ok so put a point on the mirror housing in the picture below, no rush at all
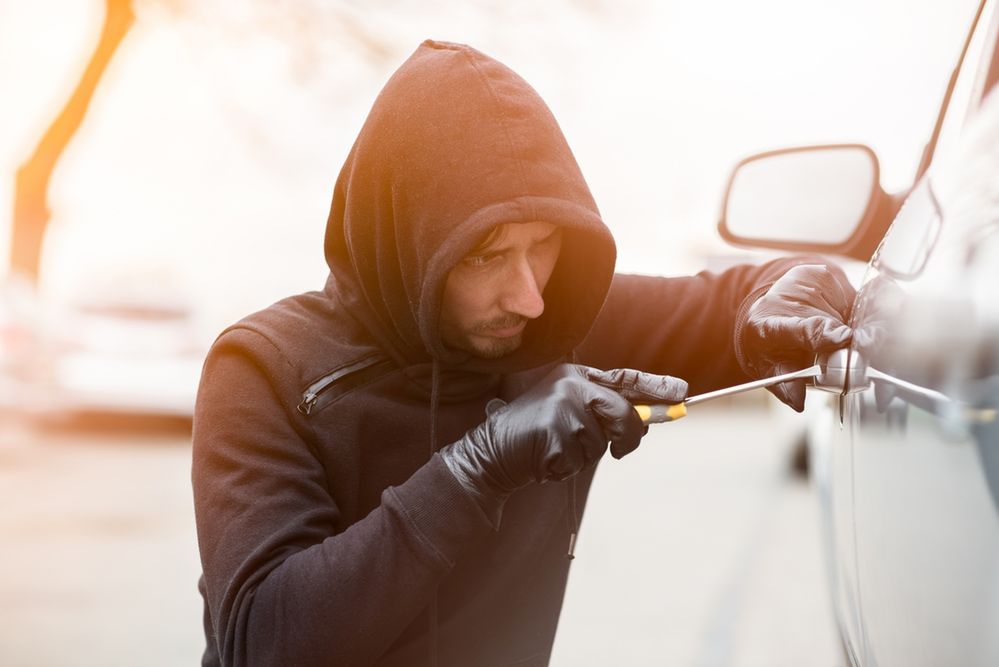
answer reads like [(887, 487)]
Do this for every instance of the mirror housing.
[(825, 199)]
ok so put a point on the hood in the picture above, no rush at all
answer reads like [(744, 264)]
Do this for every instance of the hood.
[(455, 144)]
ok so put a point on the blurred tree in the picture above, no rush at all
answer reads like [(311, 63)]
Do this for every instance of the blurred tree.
[(317, 36), (31, 211)]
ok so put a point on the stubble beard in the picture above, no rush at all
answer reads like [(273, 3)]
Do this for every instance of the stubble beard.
[(495, 348), (483, 346)]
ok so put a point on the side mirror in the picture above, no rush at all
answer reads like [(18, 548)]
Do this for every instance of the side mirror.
[(825, 199)]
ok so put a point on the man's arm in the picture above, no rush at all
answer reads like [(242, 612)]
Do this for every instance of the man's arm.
[(283, 587), (697, 327)]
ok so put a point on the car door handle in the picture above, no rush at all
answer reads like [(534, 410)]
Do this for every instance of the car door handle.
[(845, 372)]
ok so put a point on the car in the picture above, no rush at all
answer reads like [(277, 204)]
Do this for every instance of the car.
[(122, 345), (904, 437), (18, 340)]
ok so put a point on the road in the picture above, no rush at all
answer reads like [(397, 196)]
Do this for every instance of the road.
[(99, 562), (699, 549), (702, 549)]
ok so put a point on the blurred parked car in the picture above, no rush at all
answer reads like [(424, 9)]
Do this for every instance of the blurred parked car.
[(123, 346), (905, 453), (18, 340)]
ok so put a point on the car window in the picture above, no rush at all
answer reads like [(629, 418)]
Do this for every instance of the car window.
[(993, 75), (912, 235), (910, 239), (973, 81)]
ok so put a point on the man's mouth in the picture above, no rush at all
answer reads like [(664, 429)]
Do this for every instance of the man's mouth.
[(506, 332), (503, 329)]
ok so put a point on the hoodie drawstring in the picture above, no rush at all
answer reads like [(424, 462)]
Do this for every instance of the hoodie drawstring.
[(570, 495), (570, 499), (435, 381), (570, 492)]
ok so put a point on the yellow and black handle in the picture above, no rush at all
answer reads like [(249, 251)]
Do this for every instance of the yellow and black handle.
[(661, 413)]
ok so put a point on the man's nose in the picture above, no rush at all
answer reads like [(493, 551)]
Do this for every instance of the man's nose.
[(522, 295)]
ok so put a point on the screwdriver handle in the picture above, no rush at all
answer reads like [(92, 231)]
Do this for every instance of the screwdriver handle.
[(658, 414), (661, 413)]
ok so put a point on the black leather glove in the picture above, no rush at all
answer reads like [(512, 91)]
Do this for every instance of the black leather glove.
[(556, 429), (803, 314)]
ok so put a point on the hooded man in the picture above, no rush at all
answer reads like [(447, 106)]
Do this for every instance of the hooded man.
[(390, 470)]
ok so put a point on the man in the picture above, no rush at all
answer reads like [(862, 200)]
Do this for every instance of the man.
[(391, 470)]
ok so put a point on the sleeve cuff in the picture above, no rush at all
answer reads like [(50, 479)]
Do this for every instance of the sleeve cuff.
[(440, 510)]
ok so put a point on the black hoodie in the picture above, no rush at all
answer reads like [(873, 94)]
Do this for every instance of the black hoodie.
[(329, 531)]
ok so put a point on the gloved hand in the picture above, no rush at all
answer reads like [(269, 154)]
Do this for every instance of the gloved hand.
[(803, 314), (554, 430)]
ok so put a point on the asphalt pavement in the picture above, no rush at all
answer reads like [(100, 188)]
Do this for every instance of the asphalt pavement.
[(700, 549)]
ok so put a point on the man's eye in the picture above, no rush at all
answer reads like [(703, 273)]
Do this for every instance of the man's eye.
[(480, 260)]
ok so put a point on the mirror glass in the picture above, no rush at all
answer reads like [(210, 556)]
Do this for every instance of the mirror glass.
[(813, 195)]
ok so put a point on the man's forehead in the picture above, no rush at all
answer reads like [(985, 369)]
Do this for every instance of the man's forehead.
[(512, 233)]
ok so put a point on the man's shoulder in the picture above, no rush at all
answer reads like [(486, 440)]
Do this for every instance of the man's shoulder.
[(310, 332), (299, 316)]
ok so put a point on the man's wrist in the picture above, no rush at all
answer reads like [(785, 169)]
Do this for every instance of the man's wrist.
[(458, 463), (741, 321)]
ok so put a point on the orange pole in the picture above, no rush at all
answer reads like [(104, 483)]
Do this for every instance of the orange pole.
[(31, 211)]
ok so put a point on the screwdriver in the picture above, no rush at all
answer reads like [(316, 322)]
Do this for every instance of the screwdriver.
[(661, 413)]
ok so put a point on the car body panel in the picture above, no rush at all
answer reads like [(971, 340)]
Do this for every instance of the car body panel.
[(905, 454), (914, 447)]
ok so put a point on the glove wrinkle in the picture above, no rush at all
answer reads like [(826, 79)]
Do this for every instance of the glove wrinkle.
[(639, 386), (561, 426), (802, 314)]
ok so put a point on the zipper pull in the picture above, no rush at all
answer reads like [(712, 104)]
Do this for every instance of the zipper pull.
[(308, 402)]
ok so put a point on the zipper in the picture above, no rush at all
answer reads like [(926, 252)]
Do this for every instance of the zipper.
[(315, 394)]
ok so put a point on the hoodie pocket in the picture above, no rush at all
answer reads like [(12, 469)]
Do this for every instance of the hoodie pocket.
[(341, 380)]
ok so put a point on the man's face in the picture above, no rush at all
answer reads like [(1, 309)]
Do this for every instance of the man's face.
[(495, 289)]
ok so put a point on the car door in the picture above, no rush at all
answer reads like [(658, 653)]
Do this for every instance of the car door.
[(904, 448), (918, 439)]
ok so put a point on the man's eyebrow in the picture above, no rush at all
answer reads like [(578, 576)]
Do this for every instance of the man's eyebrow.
[(556, 230), (494, 236)]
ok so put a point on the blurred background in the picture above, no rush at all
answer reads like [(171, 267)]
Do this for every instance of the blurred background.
[(166, 168)]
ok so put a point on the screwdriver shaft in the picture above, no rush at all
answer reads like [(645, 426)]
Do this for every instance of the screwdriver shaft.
[(809, 372)]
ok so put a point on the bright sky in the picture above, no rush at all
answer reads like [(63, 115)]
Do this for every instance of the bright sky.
[(212, 145)]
